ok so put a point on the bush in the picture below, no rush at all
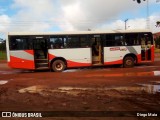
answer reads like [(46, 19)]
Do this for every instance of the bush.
[(3, 46), (3, 55)]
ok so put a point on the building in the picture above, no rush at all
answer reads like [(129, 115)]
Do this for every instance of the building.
[(156, 35)]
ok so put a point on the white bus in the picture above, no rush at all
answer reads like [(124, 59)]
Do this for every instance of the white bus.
[(62, 50)]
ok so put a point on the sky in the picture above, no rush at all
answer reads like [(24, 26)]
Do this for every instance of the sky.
[(77, 15)]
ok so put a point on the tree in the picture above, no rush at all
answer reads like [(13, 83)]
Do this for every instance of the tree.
[(3, 45), (158, 24), (139, 1)]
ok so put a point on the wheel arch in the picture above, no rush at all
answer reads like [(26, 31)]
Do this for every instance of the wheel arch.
[(131, 55), (58, 58)]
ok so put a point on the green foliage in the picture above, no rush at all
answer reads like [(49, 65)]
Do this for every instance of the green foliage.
[(139, 1), (2, 50), (3, 46), (158, 24), (3, 55)]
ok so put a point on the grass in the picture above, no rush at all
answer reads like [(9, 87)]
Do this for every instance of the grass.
[(3, 55)]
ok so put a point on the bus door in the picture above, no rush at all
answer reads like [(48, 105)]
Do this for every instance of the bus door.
[(40, 46), (146, 44), (97, 50)]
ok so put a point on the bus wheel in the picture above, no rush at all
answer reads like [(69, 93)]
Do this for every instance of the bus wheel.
[(128, 62), (58, 66)]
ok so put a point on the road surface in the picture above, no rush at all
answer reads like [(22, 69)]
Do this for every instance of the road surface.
[(108, 88)]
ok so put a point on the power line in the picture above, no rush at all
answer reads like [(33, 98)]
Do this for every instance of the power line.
[(54, 22)]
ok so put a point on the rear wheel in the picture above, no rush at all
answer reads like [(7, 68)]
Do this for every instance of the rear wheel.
[(128, 62), (58, 66)]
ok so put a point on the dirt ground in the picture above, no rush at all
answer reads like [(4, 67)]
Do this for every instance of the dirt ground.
[(119, 91)]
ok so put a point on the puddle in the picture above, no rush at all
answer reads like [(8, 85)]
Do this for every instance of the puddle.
[(149, 88), (157, 82), (32, 89), (2, 82), (71, 70), (82, 88), (83, 69), (74, 88), (44, 91), (75, 91), (152, 73), (145, 66), (156, 73), (15, 72)]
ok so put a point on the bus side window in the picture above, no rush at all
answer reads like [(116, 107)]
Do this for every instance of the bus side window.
[(109, 40), (132, 39), (72, 42), (146, 40), (84, 42), (19, 43), (56, 42), (119, 40)]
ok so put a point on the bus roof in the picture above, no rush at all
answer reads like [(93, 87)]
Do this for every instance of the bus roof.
[(77, 32)]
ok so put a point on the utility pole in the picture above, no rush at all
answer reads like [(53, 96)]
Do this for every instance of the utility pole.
[(126, 24), (148, 20)]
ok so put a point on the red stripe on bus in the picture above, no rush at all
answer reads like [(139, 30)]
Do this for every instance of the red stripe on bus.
[(30, 52), (71, 63), (21, 63), (152, 53), (77, 64), (114, 62), (139, 58), (51, 57)]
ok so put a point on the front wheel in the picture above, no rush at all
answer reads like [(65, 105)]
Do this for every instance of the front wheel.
[(128, 62), (58, 66)]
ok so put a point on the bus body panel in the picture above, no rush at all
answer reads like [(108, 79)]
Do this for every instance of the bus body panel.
[(152, 53), (115, 55), (22, 59), (76, 57)]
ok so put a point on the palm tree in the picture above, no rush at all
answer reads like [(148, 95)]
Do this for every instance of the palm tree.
[(139, 1), (158, 24)]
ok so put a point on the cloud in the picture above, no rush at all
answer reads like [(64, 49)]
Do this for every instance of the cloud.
[(153, 20), (43, 15), (33, 15), (66, 15), (4, 22), (84, 14), (137, 23)]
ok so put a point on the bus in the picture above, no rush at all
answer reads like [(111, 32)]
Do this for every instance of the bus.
[(58, 51)]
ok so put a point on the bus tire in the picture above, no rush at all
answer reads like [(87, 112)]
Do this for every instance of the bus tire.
[(58, 66), (128, 62)]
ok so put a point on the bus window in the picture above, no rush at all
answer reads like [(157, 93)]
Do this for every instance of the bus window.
[(72, 42), (109, 40), (132, 39), (115, 40), (20, 43), (84, 42), (146, 39), (119, 40), (56, 42)]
